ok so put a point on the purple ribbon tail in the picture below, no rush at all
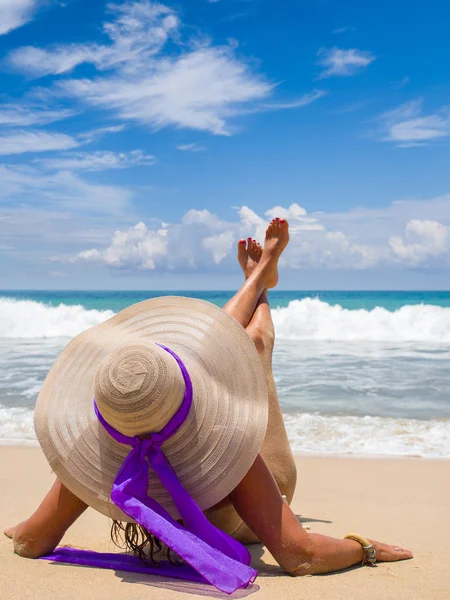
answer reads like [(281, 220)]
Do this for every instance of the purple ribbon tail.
[(122, 562), (217, 557)]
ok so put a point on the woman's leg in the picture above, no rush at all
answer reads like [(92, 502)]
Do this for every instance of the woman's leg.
[(276, 450)]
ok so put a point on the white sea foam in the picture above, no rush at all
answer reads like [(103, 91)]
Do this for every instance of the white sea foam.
[(379, 436), (16, 426), (29, 319), (310, 434), (307, 319), (312, 319)]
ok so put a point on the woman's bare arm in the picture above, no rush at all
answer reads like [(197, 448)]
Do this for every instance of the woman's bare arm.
[(41, 533), (259, 503)]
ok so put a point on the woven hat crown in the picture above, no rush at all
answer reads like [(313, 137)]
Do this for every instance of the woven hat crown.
[(138, 388)]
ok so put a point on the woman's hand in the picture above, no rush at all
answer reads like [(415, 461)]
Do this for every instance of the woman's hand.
[(42, 532), (388, 553)]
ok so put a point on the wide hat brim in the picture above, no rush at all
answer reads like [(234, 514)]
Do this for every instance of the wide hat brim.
[(219, 441)]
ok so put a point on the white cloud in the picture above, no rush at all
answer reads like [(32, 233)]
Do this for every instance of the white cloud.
[(19, 142), (196, 85), (407, 126), (15, 141), (340, 62), (38, 62), (202, 241), (77, 223), (297, 216), (423, 241), (219, 245), (135, 248), (17, 115), (98, 161), (191, 147), (361, 239), (15, 13)]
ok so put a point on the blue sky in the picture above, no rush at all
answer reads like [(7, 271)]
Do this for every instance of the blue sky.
[(139, 141)]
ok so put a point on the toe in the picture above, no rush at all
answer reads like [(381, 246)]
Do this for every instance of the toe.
[(242, 250)]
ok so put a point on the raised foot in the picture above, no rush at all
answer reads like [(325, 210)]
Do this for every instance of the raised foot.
[(249, 254), (277, 238)]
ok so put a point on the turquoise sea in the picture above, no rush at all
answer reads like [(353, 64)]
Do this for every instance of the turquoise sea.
[(363, 373), (116, 300)]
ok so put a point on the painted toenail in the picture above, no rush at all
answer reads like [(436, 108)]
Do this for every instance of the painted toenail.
[(242, 241), (283, 221)]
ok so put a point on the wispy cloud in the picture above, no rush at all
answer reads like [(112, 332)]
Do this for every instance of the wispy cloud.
[(94, 134), (197, 90), (98, 161), (197, 85), (233, 17), (338, 62), (234, 43), (343, 29), (20, 115), (61, 190), (23, 141), (298, 103), (407, 126), (15, 13), (401, 83), (191, 147), (138, 31)]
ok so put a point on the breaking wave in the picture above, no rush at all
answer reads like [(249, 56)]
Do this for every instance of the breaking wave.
[(308, 319), (312, 319), (29, 319)]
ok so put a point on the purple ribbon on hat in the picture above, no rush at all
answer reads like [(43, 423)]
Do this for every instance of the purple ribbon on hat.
[(211, 555)]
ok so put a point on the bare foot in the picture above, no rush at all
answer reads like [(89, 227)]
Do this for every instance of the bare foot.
[(277, 238), (249, 253)]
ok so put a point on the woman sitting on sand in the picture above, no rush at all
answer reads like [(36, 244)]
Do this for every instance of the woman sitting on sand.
[(202, 378)]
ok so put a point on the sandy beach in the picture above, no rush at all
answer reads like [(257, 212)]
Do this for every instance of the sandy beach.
[(398, 501)]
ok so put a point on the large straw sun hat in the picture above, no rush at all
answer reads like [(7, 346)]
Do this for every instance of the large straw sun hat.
[(138, 387)]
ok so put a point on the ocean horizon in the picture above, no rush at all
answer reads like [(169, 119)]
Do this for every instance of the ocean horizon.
[(357, 373)]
